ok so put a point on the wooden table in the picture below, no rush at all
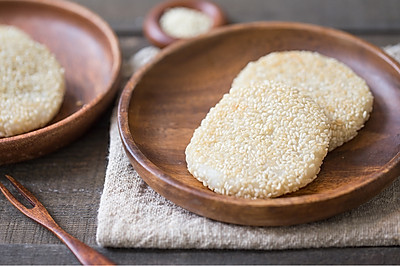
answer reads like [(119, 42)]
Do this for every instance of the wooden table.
[(70, 181)]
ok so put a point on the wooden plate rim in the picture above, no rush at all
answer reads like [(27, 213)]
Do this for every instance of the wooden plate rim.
[(133, 150), (116, 68)]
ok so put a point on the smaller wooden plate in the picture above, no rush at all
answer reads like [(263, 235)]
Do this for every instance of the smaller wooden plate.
[(87, 49), (165, 102), (152, 28)]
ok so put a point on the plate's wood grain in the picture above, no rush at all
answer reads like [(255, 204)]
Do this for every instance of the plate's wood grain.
[(87, 49), (163, 103)]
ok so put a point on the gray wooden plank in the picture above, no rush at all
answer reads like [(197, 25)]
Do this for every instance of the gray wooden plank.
[(69, 183), (379, 40), (59, 254), (351, 15)]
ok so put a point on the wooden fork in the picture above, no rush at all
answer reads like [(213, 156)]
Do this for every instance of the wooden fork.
[(85, 254)]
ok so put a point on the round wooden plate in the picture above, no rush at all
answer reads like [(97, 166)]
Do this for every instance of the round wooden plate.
[(87, 49), (163, 103)]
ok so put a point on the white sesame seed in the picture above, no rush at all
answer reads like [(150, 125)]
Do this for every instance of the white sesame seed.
[(341, 93), (31, 83), (182, 22), (250, 163)]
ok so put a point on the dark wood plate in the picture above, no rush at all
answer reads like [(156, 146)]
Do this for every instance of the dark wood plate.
[(163, 103), (87, 49)]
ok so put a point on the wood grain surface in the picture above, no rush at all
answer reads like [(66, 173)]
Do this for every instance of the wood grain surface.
[(37, 212), (69, 182), (126, 16), (161, 107), (87, 49)]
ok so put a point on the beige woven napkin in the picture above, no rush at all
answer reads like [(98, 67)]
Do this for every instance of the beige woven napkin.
[(131, 214)]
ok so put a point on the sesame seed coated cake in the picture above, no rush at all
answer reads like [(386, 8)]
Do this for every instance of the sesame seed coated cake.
[(341, 93), (32, 83), (259, 141)]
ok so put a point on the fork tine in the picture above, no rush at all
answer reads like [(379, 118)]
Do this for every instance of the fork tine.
[(37, 213), (12, 199), (24, 192), (85, 254)]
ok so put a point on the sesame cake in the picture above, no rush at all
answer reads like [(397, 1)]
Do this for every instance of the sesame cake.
[(338, 90), (259, 141), (32, 83)]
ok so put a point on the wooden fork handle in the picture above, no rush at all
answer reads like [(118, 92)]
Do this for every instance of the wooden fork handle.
[(85, 254)]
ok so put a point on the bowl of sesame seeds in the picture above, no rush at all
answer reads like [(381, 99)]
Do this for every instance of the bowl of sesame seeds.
[(175, 20)]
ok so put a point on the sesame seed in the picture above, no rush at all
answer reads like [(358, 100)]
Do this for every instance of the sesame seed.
[(182, 22), (249, 163), (31, 83), (341, 93)]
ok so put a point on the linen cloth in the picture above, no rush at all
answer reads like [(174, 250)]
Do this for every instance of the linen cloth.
[(131, 214)]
